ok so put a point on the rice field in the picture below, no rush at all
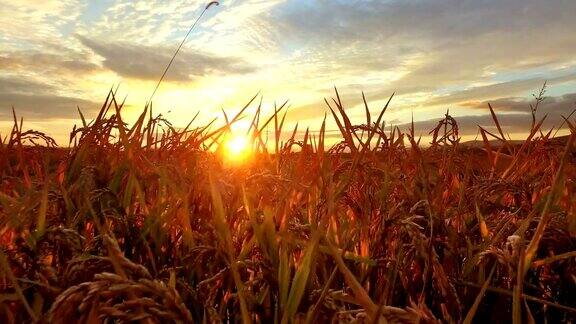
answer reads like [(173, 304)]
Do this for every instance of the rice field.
[(155, 224)]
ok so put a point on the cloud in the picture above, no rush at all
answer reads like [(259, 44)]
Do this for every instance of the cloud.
[(36, 100), (46, 62), (468, 125), (39, 106), (431, 44), (21, 85), (148, 62), (513, 114), (432, 23), (37, 22), (309, 111), (554, 106), (498, 90)]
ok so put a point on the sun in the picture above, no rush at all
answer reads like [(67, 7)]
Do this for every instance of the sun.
[(237, 148)]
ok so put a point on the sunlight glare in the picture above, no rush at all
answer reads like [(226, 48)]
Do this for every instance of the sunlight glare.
[(237, 148)]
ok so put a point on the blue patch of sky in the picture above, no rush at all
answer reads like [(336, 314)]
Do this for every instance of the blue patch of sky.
[(94, 10), (180, 28), (67, 28)]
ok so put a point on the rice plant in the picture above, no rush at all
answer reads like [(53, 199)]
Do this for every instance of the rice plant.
[(151, 223)]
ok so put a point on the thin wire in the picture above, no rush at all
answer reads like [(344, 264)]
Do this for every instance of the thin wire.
[(178, 50)]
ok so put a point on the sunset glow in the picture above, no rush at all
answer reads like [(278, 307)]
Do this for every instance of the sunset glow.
[(242, 47)]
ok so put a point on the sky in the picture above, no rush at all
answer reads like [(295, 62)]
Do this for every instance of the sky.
[(436, 55)]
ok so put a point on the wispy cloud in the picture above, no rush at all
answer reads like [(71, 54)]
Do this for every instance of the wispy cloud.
[(499, 90), (553, 106), (148, 62)]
